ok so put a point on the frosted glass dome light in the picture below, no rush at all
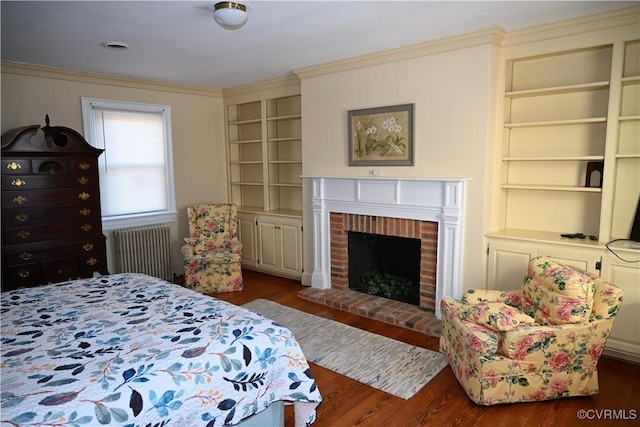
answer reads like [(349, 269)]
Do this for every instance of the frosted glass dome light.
[(230, 15)]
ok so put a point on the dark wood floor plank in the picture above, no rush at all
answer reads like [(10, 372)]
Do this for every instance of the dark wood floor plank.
[(442, 402)]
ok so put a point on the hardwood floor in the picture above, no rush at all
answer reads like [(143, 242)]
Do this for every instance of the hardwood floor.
[(442, 402)]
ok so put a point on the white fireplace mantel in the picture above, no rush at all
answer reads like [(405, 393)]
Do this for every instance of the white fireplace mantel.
[(427, 199)]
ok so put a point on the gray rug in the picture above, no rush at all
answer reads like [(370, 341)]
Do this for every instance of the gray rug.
[(380, 362)]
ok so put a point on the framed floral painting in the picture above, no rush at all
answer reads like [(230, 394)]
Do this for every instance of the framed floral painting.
[(381, 136)]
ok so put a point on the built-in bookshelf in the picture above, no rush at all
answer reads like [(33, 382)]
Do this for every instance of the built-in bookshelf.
[(571, 142), (265, 154)]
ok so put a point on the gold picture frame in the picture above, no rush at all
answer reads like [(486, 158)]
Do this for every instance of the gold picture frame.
[(381, 136)]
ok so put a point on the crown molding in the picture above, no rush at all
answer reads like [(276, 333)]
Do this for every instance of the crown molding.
[(492, 36), (570, 27), (9, 67), (287, 84)]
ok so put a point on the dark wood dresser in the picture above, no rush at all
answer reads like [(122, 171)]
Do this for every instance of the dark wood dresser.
[(51, 219)]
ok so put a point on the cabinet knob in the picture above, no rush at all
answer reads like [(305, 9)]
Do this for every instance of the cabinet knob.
[(14, 166), (88, 247), (92, 261), (83, 180), (86, 227), (23, 234), (20, 200), (22, 217), (84, 196), (24, 273), (25, 256), (18, 182), (84, 166), (85, 212)]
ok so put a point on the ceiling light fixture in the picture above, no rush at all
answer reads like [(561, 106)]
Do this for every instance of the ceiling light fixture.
[(230, 15)]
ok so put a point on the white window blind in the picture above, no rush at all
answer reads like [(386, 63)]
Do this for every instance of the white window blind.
[(136, 173)]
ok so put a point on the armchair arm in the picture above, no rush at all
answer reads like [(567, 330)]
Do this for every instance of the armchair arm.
[(558, 346), (475, 296), (464, 337)]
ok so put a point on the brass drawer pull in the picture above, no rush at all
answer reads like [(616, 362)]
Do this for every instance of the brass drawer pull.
[(88, 247), (86, 227), (85, 212), (84, 166), (23, 234), (22, 217), (19, 200), (14, 166), (24, 273), (84, 196), (83, 180), (92, 261), (25, 256), (18, 182)]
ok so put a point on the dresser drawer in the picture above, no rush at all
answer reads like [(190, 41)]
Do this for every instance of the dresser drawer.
[(15, 166), (38, 182), (49, 214), (51, 166), (45, 232), (15, 199), (85, 165), (59, 269), (91, 247), (24, 275)]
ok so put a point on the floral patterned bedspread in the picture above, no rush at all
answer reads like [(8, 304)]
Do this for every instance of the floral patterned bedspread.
[(134, 350)]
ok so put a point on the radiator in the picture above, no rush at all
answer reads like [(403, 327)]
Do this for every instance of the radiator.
[(144, 250)]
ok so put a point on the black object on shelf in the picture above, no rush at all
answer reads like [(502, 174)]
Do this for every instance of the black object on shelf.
[(594, 170)]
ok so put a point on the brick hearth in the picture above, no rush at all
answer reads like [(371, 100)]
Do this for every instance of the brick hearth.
[(385, 310)]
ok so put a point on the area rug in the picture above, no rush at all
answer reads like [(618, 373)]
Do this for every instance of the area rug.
[(386, 364)]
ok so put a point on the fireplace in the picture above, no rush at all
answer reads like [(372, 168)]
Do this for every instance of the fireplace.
[(390, 204), (384, 266), (424, 232)]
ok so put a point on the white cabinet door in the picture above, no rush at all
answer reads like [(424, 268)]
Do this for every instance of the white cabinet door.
[(508, 262), (247, 235), (269, 246), (280, 245), (625, 335), (291, 248)]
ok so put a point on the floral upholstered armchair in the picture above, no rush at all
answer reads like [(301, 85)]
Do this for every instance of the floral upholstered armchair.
[(212, 252), (541, 342)]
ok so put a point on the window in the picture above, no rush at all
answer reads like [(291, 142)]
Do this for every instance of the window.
[(136, 168)]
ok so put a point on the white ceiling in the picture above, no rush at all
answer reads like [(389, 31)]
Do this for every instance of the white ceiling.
[(179, 42)]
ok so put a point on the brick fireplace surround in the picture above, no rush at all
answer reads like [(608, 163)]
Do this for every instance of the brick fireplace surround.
[(422, 318), (429, 209), (426, 231)]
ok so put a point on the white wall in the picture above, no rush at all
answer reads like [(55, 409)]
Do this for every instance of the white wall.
[(198, 130), (454, 116)]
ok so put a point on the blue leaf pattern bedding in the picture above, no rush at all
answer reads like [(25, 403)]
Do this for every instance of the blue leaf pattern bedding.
[(134, 350)]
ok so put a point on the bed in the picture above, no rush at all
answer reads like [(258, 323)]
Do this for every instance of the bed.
[(134, 350)]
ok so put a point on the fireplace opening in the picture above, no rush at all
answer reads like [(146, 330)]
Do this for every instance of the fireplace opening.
[(385, 266)]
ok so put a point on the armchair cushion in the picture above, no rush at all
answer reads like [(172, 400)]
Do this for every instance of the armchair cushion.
[(497, 316), (554, 293)]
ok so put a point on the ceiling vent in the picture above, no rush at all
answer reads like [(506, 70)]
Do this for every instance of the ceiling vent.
[(115, 45)]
